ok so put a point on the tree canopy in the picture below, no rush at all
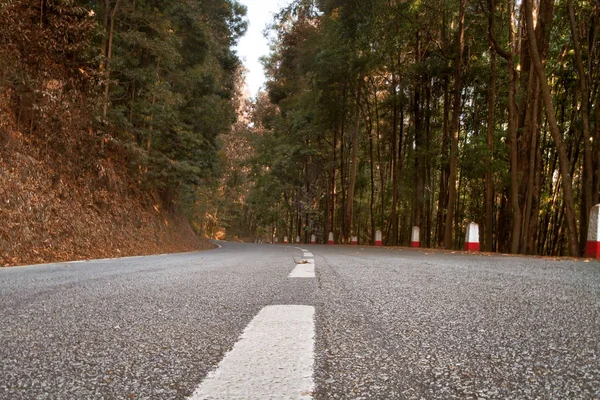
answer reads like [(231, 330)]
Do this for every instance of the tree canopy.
[(157, 81), (384, 115)]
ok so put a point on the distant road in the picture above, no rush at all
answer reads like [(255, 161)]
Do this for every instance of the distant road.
[(250, 321)]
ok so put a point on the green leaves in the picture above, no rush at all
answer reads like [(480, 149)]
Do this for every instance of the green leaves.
[(173, 82)]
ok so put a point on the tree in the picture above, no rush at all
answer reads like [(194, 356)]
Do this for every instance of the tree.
[(377, 111), (563, 161), (454, 129)]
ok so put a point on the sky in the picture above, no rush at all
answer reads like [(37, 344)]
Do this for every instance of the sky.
[(254, 45)]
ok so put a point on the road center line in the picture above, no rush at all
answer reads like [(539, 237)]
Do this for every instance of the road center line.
[(307, 254), (273, 359), (303, 271)]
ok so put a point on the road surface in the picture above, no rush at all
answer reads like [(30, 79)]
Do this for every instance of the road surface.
[(250, 321)]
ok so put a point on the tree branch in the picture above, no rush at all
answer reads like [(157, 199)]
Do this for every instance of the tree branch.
[(503, 53)]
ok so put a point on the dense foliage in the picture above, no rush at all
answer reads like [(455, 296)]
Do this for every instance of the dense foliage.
[(156, 81), (389, 114)]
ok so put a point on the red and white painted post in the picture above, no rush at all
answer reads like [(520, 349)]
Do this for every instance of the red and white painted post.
[(285, 241), (415, 240), (297, 239), (313, 239), (330, 241), (472, 237), (378, 241), (592, 249), (276, 240), (354, 240)]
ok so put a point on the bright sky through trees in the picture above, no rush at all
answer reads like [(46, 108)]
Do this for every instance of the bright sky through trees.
[(254, 45)]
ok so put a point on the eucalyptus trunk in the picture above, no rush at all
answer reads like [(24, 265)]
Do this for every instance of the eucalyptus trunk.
[(563, 158), (455, 128), (586, 200)]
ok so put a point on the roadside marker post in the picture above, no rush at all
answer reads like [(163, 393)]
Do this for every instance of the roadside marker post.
[(330, 241), (472, 237), (313, 239), (378, 241), (592, 249), (415, 237), (297, 239), (276, 240), (354, 240), (285, 240)]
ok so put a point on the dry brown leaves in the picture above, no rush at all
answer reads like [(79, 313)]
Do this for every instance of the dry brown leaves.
[(52, 211)]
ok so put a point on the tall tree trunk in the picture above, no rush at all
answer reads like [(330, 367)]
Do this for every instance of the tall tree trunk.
[(531, 161), (418, 142), (333, 184), (532, 232), (512, 128), (108, 57), (427, 167), (398, 150), (489, 184), (445, 165), (596, 185), (343, 165), (153, 103), (372, 199), (556, 135), (394, 166), (353, 167), (587, 183), (380, 165), (528, 127), (105, 29), (455, 128), (445, 169)]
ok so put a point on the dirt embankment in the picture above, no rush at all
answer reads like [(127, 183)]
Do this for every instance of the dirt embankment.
[(45, 217), (58, 206)]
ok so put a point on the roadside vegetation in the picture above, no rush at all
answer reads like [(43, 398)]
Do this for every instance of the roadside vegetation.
[(384, 115), (110, 116)]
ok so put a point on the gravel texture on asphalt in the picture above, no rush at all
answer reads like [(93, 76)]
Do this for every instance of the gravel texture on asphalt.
[(390, 324), (137, 328), (404, 324)]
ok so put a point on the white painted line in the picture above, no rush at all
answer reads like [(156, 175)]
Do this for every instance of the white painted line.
[(307, 254), (303, 271), (272, 360)]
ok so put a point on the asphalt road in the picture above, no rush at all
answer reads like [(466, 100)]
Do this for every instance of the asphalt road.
[(388, 324)]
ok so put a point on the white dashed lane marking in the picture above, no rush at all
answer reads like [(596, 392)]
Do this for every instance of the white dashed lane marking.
[(306, 270), (307, 254), (273, 359)]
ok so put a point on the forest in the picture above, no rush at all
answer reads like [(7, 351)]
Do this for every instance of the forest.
[(111, 113), (376, 115), (389, 114)]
